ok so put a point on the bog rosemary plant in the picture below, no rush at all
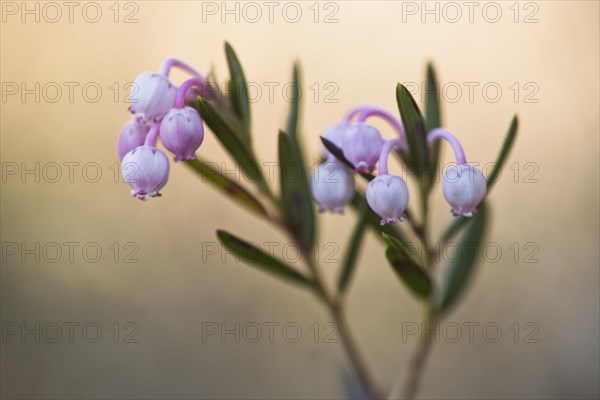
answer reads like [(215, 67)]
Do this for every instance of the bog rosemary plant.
[(353, 149)]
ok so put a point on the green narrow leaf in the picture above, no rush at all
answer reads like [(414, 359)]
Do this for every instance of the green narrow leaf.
[(339, 154), (506, 146), (433, 117), (414, 124), (256, 257), (231, 188), (460, 271), (413, 275), (460, 222), (433, 113), (295, 192), (238, 88), (336, 151), (230, 141), (454, 228), (294, 115), (353, 249)]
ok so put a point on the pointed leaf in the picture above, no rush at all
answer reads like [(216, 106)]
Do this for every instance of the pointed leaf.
[(336, 151), (238, 88), (294, 115), (339, 154), (230, 141), (460, 271), (506, 146), (231, 188), (433, 113), (414, 124), (256, 257), (353, 249), (295, 192), (433, 117), (414, 276)]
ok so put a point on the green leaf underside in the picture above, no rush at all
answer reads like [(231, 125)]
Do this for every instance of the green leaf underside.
[(458, 223), (295, 192), (259, 259), (460, 271), (238, 88), (413, 275), (231, 188), (353, 249), (414, 125), (226, 134)]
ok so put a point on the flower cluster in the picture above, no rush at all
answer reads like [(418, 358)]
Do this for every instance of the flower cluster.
[(362, 145), (159, 110)]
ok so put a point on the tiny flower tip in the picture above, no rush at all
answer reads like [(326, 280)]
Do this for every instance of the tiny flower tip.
[(184, 158), (363, 167)]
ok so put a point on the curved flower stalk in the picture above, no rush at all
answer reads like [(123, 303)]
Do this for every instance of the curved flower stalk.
[(353, 147), (387, 194), (464, 186)]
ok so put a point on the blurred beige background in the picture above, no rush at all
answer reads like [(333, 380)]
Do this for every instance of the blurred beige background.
[(172, 294)]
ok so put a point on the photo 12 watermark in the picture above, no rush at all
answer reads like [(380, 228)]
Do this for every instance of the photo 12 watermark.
[(69, 332), (69, 252), (268, 332), (253, 12), (453, 12), (56, 12)]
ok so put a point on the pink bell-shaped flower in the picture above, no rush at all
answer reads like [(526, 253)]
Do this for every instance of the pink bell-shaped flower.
[(132, 136), (335, 134), (332, 186), (362, 145), (387, 195), (464, 187), (146, 170), (152, 96), (182, 132)]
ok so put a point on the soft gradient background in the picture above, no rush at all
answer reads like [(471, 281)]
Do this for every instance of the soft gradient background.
[(171, 292)]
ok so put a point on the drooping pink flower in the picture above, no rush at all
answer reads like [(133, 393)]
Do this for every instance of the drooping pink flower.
[(152, 96), (464, 186), (362, 145), (132, 136), (182, 132), (387, 195), (332, 186), (146, 170)]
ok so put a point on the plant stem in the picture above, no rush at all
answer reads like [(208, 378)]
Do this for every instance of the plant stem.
[(419, 357), (417, 362), (335, 306)]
